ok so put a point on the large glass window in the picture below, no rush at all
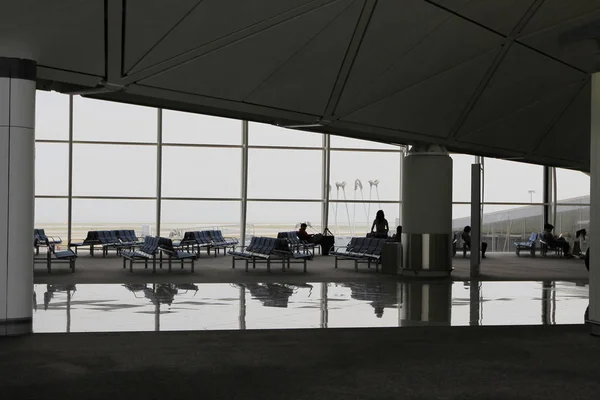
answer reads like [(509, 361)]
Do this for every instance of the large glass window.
[(502, 227), (270, 135), (201, 172), (350, 143), (284, 174), (461, 177), (269, 217), (510, 181), (51, 169), (52, 215), (114, 170), (51, 116), (182, 127), (109, 214), (106, 121), (572, 185), (179, 216), (369, 176), (356, 219)]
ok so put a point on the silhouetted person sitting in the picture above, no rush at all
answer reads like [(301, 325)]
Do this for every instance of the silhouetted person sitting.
[(380, 227), (466, 237), (398, 235), (556, 242), (303, 235)]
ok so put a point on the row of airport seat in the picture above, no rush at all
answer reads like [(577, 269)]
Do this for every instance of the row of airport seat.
[(265, 250)]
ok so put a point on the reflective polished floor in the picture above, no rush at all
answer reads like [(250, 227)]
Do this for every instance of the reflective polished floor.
[(174, 307)]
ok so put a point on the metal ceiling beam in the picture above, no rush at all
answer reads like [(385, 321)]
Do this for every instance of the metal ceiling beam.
[(114, 21), (348, 62), (224, 41), (505, 47)]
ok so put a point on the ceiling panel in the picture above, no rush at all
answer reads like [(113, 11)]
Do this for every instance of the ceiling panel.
[(64, 34), (555, 12), (233, 71), (304, 83), (213, 19), (574, 42), (147, 22), (522, 130), (569, 138), (523, 77), (500, 15), (431, 107), (380, 70)]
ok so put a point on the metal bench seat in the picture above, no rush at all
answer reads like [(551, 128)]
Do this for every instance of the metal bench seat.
[(166, 248), (57, 257), (527, 245)]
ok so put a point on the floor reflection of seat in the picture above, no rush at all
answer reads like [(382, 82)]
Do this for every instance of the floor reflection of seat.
[(380, 295), (274, 294), (57, 288)]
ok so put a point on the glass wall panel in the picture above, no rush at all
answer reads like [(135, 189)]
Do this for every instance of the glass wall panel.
[(503, 226), (51, 115), (51, 168), (461, 176), (358, 168), (179, 216), (351, 143), (285, 174), (569, 220), (114, 170), (201, 172), (461, 216), (268, 218), (572, 184), (355, 219), (510, 181), (108, 121), (271, 135), (52, 215), (109, 214), (182, 127)]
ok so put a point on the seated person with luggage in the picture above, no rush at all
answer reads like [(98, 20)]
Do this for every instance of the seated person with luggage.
[(380, 227), (302, 234), (466, 237), (556, 242)]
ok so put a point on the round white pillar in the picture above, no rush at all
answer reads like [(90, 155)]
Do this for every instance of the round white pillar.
[(427, 211), (17, 149)]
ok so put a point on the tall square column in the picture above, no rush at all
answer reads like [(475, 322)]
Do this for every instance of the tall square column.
[(17, 149)]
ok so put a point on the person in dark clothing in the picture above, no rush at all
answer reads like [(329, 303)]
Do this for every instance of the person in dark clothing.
[(466, 237), (302, 234), (554, 241), (398, 235)]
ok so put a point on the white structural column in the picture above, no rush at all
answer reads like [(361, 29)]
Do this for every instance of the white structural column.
[(594, 315), (427, 211), (17, 149)]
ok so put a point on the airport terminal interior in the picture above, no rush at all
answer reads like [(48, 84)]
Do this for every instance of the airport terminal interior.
[(203, 182)]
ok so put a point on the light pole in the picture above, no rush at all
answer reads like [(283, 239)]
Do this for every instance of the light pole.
[(531, 192)]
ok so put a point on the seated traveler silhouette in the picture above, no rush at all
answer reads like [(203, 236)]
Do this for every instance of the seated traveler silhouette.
[(303, 235), (466, 237), (380, 227), (554, 241), (398, 235)]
